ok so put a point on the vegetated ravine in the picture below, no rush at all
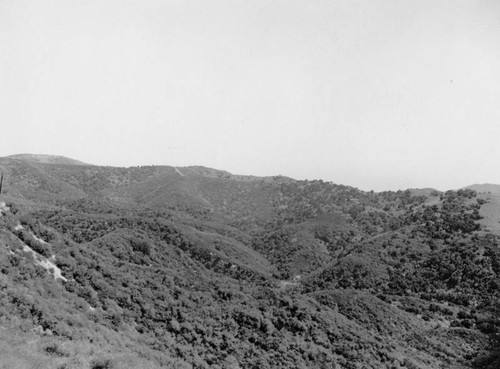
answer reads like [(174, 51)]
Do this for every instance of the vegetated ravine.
[(149, 267)]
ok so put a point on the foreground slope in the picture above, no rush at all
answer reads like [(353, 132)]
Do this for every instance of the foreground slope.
[(194, 267)]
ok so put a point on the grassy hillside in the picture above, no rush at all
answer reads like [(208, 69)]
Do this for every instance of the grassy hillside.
[(46, 159), (198, 268), (490, 211)]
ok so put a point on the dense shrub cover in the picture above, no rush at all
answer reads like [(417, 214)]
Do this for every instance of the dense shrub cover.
[(211, 270)]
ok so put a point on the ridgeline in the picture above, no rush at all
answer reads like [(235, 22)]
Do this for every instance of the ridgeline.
[(157, 266)]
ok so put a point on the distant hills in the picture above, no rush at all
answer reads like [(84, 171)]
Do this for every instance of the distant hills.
[(485, 188), (46, 159), (195, 267)]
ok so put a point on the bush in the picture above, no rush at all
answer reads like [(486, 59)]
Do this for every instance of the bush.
[(141, 246), (55, 349), (101, 363)]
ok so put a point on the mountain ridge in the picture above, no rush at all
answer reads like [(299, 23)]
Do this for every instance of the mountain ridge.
[(198, 268), (46, 159), (212, 172)]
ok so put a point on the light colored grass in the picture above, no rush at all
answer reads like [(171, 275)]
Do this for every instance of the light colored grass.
[(28, 350), (491, 212)]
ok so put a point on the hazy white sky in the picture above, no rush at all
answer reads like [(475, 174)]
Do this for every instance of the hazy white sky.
[(383, 94)]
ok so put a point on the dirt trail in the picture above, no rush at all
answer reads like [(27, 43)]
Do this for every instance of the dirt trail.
[(42, 260)]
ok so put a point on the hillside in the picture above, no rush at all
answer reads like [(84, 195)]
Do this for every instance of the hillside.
[(46, 159), (158, 266), (490, 211)]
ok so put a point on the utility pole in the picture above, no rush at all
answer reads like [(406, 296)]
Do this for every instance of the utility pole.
[(1, 183)]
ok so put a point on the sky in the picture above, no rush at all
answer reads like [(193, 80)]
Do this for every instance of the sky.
[(380, 95)]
